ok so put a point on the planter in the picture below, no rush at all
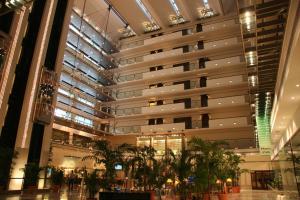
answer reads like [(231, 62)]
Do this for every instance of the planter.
[(152, 194), (236, 189), (222, 196)]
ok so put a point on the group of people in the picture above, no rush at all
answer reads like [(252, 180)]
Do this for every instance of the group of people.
[(73, 180)]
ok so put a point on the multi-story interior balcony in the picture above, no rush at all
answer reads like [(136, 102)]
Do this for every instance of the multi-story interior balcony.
[(182, 106), (186, 124), (199, 66), (188, 32), (60, 137), (163, 72), (84, 122), (170, 87), (229, 122), (160, 89), (163, 38), (190, 50), (163, 128)]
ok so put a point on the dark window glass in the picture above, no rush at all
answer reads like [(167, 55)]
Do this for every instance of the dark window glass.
[(151, 122), (205, 121)]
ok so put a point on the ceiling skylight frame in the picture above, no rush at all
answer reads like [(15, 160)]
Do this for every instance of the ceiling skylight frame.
[(178, 18), (150, 25), (206, 11)]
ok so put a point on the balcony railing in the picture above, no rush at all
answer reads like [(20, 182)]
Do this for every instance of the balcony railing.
[(170, 70), (232, 80), (94, 128), (180, 127), (173, 107), (178, 34)]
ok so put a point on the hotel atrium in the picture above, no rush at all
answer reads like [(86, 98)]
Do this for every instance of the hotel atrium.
[(151, 73)]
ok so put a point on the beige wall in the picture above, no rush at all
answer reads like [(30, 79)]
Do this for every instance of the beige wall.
[(252, 163), (69, 157)]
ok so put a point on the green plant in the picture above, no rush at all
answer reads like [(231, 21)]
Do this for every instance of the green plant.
[(31, 174), (92, 183), (208, 157), (104, 154), (180, 167), (159, 175), (234, 169), (57, 176), (141, 164)]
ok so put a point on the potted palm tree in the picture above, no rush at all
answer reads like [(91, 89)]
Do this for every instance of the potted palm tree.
[(207, 154), (57, 178), (104, 154), (31, 176), (180, 166), (235, 171), (92, 183), (159, 175)]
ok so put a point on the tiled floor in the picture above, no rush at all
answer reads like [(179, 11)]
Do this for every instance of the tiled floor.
[(244, 195)]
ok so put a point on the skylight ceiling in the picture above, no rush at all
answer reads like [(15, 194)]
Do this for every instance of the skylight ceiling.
[(178, 18), (149, 25), (149, 15), (96, 13)]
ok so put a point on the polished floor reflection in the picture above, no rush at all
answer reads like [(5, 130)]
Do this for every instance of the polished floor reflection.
[(244, 195)]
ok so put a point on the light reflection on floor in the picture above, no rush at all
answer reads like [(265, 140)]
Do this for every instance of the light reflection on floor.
[(76, 195)]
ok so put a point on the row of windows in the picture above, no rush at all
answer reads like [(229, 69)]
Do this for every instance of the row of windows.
[(69, 116)]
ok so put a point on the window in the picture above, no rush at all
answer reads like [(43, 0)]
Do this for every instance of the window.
[(62, 113), (187, 102), (82, 120), (186, 120), (200, 44), (186, 66), (204, 100), (187, 84), (156, 68), (156, 103), (155, 121), (65, 92), (85, 101), (203, 80), (205, 121)]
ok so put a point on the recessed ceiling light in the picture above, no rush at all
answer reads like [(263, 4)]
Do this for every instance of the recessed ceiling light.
[(218, 83), (293, 98), (297, 85), (232, 101), (219, 103), (228, 62), (220, 124), (230, 81), (216, 64), (234, 123), (214, 45)]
